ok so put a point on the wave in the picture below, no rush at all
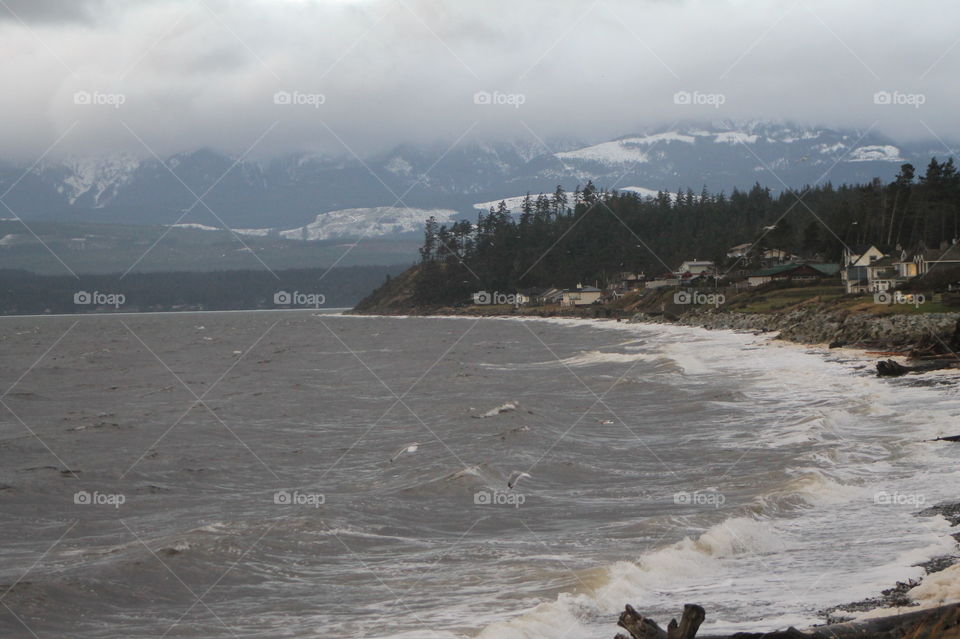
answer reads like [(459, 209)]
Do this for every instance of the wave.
[(583, 359), (502, 408), (688, 565)]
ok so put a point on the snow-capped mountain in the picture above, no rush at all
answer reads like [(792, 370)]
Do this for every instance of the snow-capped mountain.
[(323, 194), (91, 181), (371, 222)]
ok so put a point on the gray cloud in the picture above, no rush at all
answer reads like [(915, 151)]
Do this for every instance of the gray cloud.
[(47, 11), (205, 73)]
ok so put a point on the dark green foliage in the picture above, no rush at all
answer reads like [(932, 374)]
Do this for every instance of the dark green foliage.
[(606, 233)]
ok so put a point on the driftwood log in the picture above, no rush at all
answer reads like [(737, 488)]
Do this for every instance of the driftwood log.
[(891, 368), (936, 623)]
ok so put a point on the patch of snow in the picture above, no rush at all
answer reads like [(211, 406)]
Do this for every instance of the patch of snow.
[(399, 166), (640, 190), (625, 151), (98, 177), (830, 148), (513, 203), (735, 137), (875, 153), (194, 225), (367, 222), (253, 232), (668, 136)]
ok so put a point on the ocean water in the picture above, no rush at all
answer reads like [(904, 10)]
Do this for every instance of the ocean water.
[(229, 475)]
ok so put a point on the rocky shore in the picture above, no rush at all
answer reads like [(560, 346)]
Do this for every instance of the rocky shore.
[(839, 328)]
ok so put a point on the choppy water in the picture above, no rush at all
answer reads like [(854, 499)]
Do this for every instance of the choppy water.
[(667, 465)]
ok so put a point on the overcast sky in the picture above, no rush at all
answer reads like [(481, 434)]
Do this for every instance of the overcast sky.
[(173, 75)]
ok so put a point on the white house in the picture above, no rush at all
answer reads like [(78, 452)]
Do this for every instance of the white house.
[(740, 250), (883, 275), (856, 259), (581, 296), (695, 267)]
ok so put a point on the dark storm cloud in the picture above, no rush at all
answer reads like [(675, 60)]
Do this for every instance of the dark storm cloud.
[(363, 75), (49, 11)]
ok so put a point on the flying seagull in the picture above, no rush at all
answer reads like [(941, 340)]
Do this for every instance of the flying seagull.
[(515, 478), (406, 448)]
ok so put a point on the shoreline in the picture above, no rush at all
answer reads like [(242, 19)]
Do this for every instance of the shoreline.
[(890, 602), (908, 335)]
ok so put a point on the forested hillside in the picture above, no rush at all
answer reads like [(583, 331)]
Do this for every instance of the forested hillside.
[(591, 235)]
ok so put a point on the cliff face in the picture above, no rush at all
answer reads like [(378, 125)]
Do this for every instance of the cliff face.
[(393, 297)]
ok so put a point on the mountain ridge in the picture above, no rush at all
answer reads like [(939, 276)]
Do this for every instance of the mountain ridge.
[(293, 190)]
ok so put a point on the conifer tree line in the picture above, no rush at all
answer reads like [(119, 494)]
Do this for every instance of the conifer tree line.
[(592, 235)]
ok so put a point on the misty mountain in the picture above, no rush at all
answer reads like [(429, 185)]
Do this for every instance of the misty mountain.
[(294, 192)]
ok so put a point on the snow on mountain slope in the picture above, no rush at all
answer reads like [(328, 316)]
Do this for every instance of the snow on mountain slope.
[(735, 137), (625, 151), (876, 153), (639, 190), (97, 179), (513, 203), (380, 220), (195, 226)]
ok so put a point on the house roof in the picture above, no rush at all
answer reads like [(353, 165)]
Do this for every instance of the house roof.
[(826, 269), (950, 254), (889, 260), (860, 249)]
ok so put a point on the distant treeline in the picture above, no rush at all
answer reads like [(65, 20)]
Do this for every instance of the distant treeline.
[(22, 292), (592, 235)]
